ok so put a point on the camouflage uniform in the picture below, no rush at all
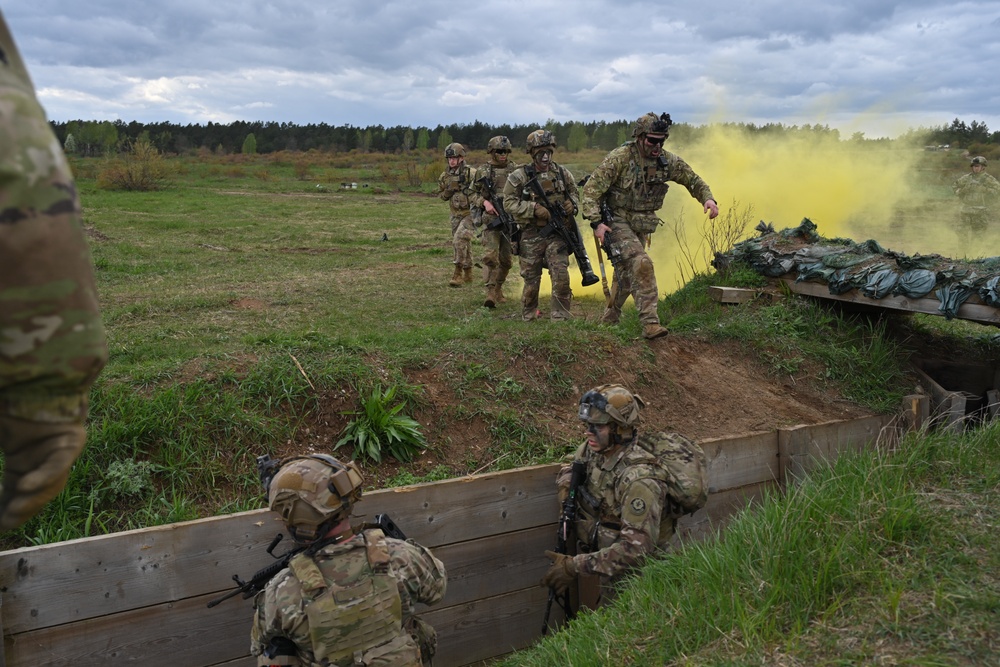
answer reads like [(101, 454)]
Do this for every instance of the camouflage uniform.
[(624, 507), (980, 194), (51, 339), (536, 251), (499, 252), (455, 187), (635, 187), (352, 603)]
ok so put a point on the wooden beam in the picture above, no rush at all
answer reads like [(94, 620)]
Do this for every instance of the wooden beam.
[(973, 310)]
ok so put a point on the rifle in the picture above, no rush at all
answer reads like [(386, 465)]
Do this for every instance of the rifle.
[(504, 221), (259, 580), (567, 521), (558, 224)]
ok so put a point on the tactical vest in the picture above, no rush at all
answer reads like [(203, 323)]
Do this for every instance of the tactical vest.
[(639, 193), (553, 184), (462, 183), (353, 605)]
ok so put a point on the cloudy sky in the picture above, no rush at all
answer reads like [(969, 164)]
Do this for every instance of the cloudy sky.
[(876, 66)]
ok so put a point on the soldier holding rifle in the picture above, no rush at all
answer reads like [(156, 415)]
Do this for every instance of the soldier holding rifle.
[(500, 233), (633, 179), (535, 194)]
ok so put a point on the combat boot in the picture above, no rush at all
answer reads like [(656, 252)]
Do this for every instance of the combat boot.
[(651, 331), (468, 274), (493, 296), (456, 279), (610, 316)]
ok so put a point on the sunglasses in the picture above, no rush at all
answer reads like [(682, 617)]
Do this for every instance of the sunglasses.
[(655, 142), (501, 152)]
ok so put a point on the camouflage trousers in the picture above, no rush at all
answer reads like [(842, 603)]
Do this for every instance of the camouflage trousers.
[(498, 256), (462, 232), (633, 276), (535, 254)]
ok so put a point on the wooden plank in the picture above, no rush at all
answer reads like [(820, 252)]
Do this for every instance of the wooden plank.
[(741, 460), (489, 627), (80, 579), (494, 565), (801, 448), (732, 294), (719, 510), (973, 309), (916, 409)]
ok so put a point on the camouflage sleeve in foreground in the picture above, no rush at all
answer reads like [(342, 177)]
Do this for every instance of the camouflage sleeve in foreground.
[(52, 342), (682, 173), (641, 511), (478, 194), (523, 211)]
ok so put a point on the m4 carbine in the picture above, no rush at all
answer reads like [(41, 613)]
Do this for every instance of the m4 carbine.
[(563, 224), (567, 527), (504, 221)]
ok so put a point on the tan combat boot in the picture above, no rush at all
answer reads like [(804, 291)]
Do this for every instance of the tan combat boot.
[(651, 331), (492, 296), (456, 279), (468, 274)]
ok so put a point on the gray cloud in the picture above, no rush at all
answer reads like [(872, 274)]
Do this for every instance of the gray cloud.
[(430, 62)]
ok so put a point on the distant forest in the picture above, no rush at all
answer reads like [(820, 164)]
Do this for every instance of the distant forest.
[(96, 138)]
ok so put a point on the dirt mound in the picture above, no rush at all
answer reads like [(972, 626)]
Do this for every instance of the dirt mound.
[(700, 389)]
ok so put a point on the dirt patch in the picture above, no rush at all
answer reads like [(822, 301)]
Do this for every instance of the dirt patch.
[(700, 389)]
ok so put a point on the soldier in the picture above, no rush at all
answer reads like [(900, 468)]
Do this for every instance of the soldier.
[(487, 191), (633, 179), (348, 598), (455, 187), (979, 193), (522, 200), (635, 489), (51, 339)]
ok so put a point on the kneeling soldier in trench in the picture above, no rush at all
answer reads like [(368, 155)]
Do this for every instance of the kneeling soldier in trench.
[(347, 599), (635, 488)]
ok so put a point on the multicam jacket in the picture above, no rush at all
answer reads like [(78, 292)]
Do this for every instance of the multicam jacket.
[(635, 186), (978, 192), (497, 175), (624, 507), (519, 197), (52, 342), (455, 187), (350, 601)]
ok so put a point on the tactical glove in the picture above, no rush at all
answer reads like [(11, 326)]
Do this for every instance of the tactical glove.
[(562, 574), (542, 215), (37, 459)]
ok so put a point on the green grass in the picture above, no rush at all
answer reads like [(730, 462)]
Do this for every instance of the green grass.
[(242, 302), (883, 558)]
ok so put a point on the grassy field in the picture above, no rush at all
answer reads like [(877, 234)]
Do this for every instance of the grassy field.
[(252, 301)]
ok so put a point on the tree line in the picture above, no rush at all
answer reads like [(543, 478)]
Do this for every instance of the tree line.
[(96, 138)]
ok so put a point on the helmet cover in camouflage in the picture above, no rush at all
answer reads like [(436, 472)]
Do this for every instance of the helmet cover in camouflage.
[(310, 492), (499, 143), (650, 123), (611, 403), (454, 150), (980, 160), (539, 139)]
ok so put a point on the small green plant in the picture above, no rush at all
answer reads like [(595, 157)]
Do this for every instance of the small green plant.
[(128, 477), (378, 428)]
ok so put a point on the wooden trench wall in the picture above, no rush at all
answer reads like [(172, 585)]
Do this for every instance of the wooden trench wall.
[(139, 597)]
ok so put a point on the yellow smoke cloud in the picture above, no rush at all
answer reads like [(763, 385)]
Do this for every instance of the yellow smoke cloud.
[(852, 189)]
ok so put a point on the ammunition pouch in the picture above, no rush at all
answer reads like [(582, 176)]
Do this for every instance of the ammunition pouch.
[(423, 635)]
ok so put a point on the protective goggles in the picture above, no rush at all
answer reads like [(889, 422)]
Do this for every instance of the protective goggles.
[(594, 408)]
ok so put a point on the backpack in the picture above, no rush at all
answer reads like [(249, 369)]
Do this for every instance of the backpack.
[(682, 465)]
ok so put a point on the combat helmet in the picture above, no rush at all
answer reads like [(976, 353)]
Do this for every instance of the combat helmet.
[(539, 139), (612, 404), (454, 150), (980, 160), (650, 123), (499, 143), (313, 493)]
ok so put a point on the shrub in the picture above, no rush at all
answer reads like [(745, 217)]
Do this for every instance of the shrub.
[(139, 167), (378, 427)]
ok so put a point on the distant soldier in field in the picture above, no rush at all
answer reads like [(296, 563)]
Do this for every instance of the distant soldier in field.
[(489, 182), (51, 339), (347, 599), (521, 199), (635, 487), (633, 180), (980, 195), (455, 187)]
